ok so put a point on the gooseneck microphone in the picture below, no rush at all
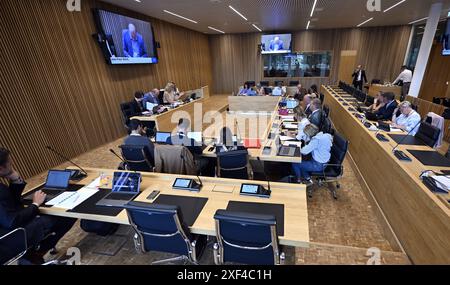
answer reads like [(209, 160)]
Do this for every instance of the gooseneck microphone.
[(78, 174)]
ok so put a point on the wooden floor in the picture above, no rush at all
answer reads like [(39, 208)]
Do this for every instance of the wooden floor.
[(341, 231)]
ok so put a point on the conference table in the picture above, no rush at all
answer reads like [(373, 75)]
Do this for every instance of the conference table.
[(288, 201), (418, 218)]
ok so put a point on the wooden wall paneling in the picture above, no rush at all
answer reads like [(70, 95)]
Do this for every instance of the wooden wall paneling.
[(381, 50), (437, 75), (346, 66), (56, 88)]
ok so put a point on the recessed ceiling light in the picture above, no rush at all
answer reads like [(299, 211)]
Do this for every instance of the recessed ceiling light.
[(416, 21), (256, 27), (365, 22), (217, 30), (237, 12), (307, 26), (393, 6), (138, 1), (313, 8), (179, 16)]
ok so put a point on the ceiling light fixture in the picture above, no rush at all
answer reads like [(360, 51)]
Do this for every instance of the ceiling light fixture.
[(393, 6), (365, 22), (307, 26), (237, 12), (179, 16), (256, 27), (416, 21), (217, 30), (313, 8)]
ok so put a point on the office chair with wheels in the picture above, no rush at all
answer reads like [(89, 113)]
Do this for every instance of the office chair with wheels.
[(161, 228), (428, 133), (246, 239), (334, 170), (136, 158), (233, 164)]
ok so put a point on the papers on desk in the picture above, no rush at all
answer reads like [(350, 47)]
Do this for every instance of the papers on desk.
[(394, 130), (442, 182), (290, 126), (146, 113), (287, 138), (292, 143), (70, 200), (287, 118)]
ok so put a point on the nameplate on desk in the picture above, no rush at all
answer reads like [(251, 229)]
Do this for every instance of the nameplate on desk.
[(187, 185)]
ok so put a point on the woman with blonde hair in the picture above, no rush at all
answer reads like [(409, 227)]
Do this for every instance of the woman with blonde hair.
[(170, 94)]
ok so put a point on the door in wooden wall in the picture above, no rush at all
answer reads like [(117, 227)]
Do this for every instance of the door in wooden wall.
[(347, 65)]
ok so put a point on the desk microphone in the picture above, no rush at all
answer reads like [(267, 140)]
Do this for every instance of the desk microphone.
[(200, 181), (404, 138), (239, 137), (265, 174), (78, 174)]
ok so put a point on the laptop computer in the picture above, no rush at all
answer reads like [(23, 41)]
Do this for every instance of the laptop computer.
[(384, 126), (126, 187), (287, 151), (291, 104), (57, 182), (161, 137), (371, 116)]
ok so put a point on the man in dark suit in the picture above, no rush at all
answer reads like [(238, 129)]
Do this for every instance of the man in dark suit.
[(14, 214), (390, 104), (359, 77), (317, 114), (136, 105), (138, 137), (133, 43)]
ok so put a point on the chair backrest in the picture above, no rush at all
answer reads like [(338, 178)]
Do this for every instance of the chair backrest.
[(251, 83), (322, 97), (159, 227), (233, 164), (276, 83), (294, 83), (338, 152), (137, 158), (428, 133), (127, 112), (247, 238), (13, 245), (264, 83), (437, 101)]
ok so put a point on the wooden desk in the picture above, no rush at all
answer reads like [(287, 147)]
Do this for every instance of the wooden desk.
[(195, 110), (419, 219), (374, 89), (219, 192)]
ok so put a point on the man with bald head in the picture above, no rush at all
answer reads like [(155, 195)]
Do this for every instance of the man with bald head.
[(133, 43)]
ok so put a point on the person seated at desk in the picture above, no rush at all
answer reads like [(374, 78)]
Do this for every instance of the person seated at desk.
[(408, 119), (300, 93), (205, 166), (226, 142), (306, 104), (313, 92), (136, 105), (246, 91), (386, 112), (151, 97), (14, 214), (320, 148), (260, 91), (279, 90), (377, 104), (138, 137), (303, 121), (171, 95), (316, 113)]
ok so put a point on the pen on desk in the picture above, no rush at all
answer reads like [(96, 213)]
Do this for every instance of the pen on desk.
[(76, 198)]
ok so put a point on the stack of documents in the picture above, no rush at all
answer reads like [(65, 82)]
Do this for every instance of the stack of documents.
[(442, 182), (291, 126), (70, 200)]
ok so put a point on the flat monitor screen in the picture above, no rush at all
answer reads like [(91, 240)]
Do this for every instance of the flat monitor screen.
[(275, 44), (58, 179), (162, 137), (291, 104), (196, 136), (125, 40), (126, 182), (446, 40)]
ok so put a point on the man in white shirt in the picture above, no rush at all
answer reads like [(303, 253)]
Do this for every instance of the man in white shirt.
[(406, 77), (409, 120)]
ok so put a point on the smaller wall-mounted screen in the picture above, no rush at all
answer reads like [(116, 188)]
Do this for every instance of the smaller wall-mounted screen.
[(446, 40), (125, 40), (274, 44), (301, 64)]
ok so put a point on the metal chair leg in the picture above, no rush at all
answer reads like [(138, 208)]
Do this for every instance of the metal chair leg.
[(179, 258)]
